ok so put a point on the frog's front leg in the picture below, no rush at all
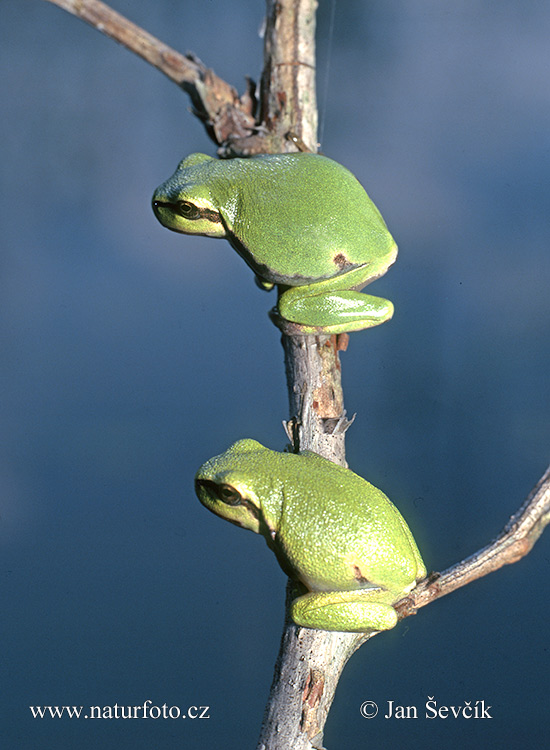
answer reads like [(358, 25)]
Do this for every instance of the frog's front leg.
[(333, 305), (360, 611)]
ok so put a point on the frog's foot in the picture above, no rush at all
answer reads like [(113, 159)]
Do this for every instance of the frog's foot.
[(329, 312), (359, 611), (266, 286)]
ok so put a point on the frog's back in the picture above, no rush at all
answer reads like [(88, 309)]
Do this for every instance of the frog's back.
[(354, 525), (301, 217)]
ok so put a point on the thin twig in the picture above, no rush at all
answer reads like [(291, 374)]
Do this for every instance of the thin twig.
[(514, 542), (216, 103), (176, 66)]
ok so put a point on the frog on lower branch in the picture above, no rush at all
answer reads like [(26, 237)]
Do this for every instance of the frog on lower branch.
[(301, 221), (343, 543)]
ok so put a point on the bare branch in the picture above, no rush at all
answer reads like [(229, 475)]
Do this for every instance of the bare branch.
[(310, 661), (216, 103), (288, 99), (177, 67), (514, 542)]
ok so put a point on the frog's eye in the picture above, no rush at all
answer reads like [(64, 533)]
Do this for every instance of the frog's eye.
[(189, 210), (228, 494), (224, 492)]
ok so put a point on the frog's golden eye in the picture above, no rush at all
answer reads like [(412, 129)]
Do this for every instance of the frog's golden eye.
[(224, 492), (228, 494), (189, 210)]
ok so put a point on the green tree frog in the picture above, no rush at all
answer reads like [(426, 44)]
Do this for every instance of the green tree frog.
[(301, 221), (341, 540)]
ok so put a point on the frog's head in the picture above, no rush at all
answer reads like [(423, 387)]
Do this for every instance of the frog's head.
[(232, 486), (184, 203)]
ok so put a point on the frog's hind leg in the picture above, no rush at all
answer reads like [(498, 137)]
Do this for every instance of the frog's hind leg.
[(333, 305), (314, 311), (362, 611)]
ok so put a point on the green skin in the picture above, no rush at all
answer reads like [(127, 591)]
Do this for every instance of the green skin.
[(342, 541), (301, 222)]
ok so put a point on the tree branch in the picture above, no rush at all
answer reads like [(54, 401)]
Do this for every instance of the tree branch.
[(514, 542), (226, 116)]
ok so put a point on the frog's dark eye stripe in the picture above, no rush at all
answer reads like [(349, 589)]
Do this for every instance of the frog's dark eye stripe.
[(189, 211), (209, 215)]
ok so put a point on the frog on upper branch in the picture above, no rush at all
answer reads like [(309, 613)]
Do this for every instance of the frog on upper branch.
[(301, 221)]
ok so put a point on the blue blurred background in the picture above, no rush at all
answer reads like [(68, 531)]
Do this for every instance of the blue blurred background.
[(131, 354)]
